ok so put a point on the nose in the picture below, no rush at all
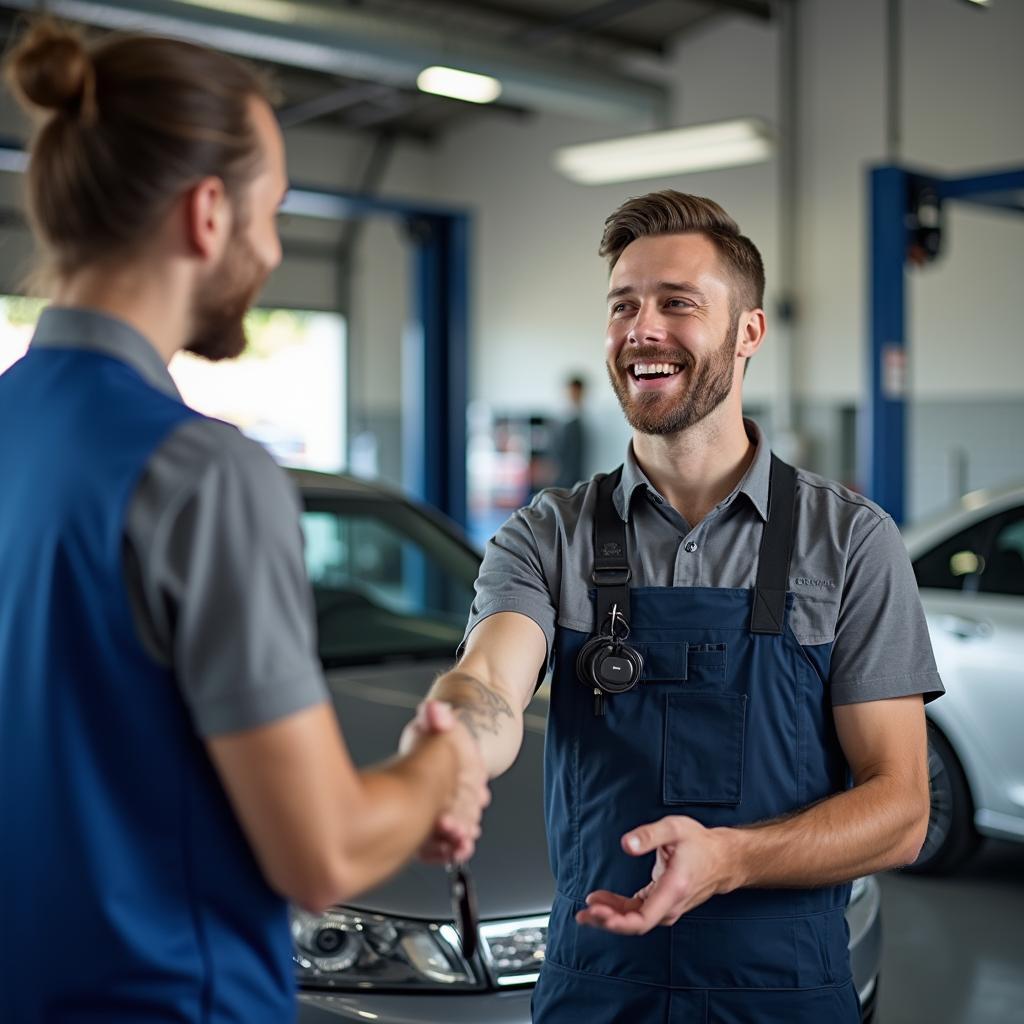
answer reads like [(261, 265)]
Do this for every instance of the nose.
[(648, 325)]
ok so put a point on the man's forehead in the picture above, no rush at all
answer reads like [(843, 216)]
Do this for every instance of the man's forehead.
[(656, 260), (269, 134)]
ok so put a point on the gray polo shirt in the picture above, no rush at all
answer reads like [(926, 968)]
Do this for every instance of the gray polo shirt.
[(212, 554), (852, 579)]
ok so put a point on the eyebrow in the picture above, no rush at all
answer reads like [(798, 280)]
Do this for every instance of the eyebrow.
[(663, 286)]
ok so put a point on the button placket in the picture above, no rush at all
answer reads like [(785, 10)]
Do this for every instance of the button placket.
[(687, 567), (688, 558)]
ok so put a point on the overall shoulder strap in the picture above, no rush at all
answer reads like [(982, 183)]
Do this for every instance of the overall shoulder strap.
[(611, 570), (776, 551)]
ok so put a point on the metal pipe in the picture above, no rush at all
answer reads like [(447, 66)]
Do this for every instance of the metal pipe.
[(788, 55), (893, 83)]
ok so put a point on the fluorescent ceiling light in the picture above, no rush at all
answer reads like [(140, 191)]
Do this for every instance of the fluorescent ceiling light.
[(271, 10), (459, 85), (704, 147)]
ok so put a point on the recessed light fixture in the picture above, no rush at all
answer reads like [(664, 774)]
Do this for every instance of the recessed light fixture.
[(459, 85), (704, 147), (980, 3)]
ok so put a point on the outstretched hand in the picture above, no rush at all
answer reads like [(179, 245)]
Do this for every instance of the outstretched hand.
[(691, 865), (457, 829)]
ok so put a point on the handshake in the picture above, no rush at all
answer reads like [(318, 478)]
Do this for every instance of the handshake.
[(457, 828)]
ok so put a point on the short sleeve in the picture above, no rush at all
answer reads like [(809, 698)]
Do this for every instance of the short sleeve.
[(882, 648), (512, 579), (224, 580)]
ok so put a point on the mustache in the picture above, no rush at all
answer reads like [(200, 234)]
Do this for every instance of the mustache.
[(624, 360)]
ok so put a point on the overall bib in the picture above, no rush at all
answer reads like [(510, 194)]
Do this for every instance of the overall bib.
[(730, 724)]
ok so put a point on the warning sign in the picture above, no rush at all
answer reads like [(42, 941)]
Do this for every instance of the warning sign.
[(894, 371)]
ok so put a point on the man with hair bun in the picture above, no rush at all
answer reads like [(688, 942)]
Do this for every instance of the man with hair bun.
[(171, 769), (739, 663)]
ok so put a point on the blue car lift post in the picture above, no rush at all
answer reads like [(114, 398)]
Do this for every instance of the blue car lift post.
[(883, 422), (436, 346)]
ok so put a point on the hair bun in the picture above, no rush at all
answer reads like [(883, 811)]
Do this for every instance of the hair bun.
[(51, 69)]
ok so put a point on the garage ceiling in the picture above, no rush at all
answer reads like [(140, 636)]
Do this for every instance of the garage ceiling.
[(352, 63)]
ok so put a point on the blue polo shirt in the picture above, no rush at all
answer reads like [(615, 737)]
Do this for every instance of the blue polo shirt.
[(128, 891)]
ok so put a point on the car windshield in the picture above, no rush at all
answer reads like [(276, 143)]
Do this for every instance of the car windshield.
[(388, 581)]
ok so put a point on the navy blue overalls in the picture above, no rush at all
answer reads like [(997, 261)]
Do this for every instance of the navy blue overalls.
[(730, 724)]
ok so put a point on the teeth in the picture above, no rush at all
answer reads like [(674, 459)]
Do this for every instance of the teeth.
[(645, 369)]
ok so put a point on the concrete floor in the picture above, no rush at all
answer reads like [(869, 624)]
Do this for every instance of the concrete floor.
[(953, 948)]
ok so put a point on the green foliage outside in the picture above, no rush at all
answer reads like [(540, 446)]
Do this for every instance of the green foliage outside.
[(19, 310), (268, 330)]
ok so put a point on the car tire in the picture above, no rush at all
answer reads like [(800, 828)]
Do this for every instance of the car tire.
[(951, 837), (869, 1008)]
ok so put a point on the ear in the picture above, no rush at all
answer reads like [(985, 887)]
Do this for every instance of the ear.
[(208, 219), (750, 332)]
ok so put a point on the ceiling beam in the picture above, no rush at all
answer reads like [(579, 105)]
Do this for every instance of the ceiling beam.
[(358, 44), (582, 21), (761, 9), (333, 102), (530, 23)]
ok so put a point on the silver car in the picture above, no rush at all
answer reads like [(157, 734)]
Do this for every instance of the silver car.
[(393, 583), (969, 565)]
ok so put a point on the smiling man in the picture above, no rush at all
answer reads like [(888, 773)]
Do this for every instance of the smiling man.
[(740, 663)]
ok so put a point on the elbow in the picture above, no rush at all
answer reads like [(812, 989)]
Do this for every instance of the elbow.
[(914, 836), (317, 897), (317, 888)]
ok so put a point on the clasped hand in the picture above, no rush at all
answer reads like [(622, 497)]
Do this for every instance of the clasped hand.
[(457, 829), (690, 867)]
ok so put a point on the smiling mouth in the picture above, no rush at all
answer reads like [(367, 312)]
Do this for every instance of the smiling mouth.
[(654, 371)]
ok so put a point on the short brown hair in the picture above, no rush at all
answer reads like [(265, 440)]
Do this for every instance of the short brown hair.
[(676, 213), (126, 126)]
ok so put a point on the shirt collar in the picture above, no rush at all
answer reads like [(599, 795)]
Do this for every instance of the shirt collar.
[(91, 331), (754, 483)]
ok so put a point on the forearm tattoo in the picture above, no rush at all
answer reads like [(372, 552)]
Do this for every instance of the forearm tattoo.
[(478, 707)]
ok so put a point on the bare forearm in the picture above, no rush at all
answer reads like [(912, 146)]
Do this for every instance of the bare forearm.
[(491, 717), (874, 826), (397, 807)]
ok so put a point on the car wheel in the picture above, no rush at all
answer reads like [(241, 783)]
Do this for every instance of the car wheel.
[(869, 1008), (951, 837)]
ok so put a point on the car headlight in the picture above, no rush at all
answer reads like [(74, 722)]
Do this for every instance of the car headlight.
[(514, 950), (350, 949)]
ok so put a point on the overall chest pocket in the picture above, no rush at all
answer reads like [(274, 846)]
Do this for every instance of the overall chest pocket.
[(682, 662), (703, 759)]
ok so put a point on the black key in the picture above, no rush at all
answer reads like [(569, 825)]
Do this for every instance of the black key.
[(464, 908)]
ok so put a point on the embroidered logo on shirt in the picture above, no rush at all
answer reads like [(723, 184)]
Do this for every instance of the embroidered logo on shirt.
[(806, 581)]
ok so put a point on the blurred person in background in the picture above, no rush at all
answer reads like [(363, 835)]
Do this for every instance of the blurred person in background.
[(572, 448), (171, 769)]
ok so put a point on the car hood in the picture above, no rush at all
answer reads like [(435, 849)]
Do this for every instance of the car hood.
[(510, 866)]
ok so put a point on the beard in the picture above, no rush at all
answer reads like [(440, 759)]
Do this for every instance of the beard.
[(221, 302), (652, 412)]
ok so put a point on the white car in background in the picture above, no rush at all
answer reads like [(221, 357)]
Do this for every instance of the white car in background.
[(969, 565)]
